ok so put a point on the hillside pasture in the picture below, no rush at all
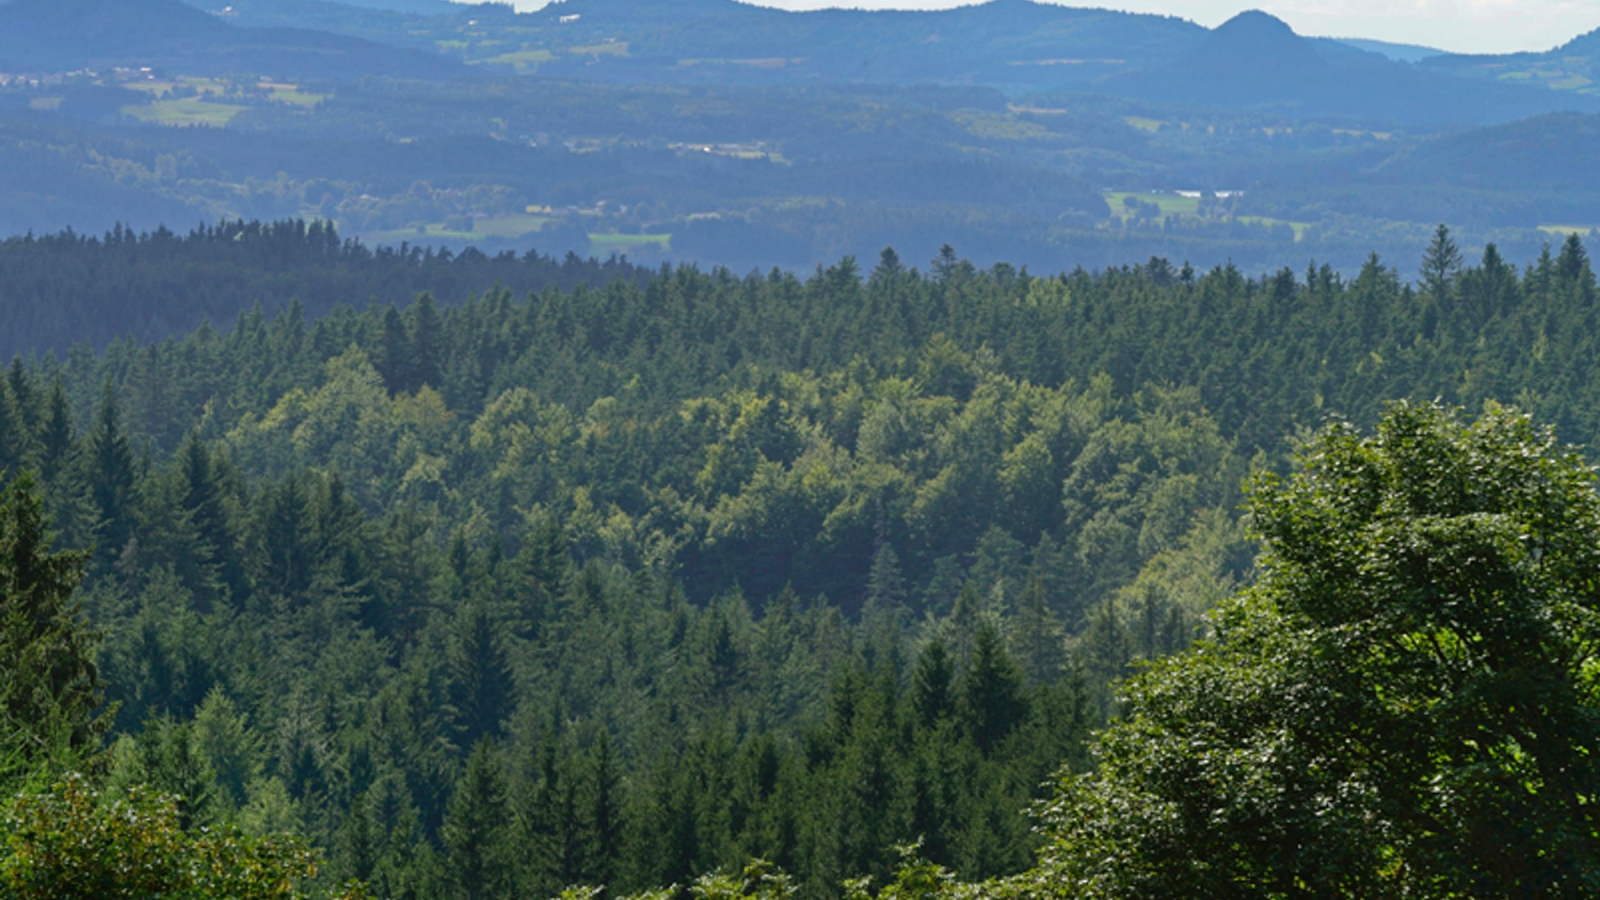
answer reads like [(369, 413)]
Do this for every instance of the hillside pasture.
[(520, 59), (508, 226), (185, 112), (1170, 204), (603, 245)]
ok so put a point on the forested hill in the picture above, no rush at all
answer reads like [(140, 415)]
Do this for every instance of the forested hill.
[(625, 584), (63, 289)]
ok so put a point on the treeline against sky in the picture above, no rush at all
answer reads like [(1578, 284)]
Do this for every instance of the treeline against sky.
[(626, 583)]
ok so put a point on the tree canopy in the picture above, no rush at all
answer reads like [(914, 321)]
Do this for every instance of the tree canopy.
[(1407, 703)]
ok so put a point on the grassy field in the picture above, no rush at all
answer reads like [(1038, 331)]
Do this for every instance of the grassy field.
[(1299, 227), (1144, 124), (294, 95), (1171, 204), (1174, 206), (510, 226), (618, 49), (47, 104), (607, 244), (522, 59), (208, 86), (189, 111)]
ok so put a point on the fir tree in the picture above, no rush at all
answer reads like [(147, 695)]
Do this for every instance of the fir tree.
[(50, 697), (482, 691), (478, 858)]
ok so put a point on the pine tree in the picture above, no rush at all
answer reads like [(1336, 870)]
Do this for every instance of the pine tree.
[(13, 434), (287, 539), (111, 479), (482, 690), (992, 698), (1037, 634), (1441, 263), (358, 848), (394, 353), (57, 441), (202, 502), (227, 747), (427, 341), (931, 685), (51, 691), (602, 819), (478, 858)]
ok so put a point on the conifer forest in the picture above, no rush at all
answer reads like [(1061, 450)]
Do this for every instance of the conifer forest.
[(681, 581), (742, 450)]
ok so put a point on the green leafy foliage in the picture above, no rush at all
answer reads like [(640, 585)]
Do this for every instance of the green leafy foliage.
[(1404, 705), (72, 842)]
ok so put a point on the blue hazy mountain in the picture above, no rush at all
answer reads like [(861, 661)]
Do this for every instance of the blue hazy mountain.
[(1572, 68), (1014, 44), (1256, 61), (1553, 152), (1398, 52), (62, 35)]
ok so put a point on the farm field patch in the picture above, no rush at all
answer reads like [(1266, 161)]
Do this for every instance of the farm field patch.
[(606, 244), (185, 112)]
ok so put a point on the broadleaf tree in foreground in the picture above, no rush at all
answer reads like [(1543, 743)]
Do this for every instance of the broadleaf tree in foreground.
[(1405, 704)]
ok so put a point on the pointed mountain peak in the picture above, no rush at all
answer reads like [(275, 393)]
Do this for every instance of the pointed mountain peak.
[(1256, 40), (1255, 24)]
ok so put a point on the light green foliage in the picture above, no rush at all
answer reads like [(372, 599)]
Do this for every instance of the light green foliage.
[(73, 843)]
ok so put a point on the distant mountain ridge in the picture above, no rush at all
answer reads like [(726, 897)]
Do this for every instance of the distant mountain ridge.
[(60, 35), (1257, 61), (1399, 52)]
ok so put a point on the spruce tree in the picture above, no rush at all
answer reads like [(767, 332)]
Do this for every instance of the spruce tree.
[(111, 479), (481, 688), (394, 353), (602, 818), (1441, 263), (426, 335), (477, 854), (931, 695), (993, 701), (50, 695)]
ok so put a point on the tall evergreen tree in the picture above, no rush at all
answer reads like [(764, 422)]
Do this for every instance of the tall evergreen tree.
[(481, 688), (427, 342), (932, 686), (993, 701), (602, 819), (289, 560), (394, 355), (111, 478), (1441, 263), (57, 437), (478, 856), (202, 502), (50, 695)]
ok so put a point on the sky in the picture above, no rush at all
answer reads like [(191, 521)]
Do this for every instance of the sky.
[(1462, 26)]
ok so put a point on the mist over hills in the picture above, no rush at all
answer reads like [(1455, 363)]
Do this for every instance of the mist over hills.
[(724, 133), (1257, 60), (60, 35)]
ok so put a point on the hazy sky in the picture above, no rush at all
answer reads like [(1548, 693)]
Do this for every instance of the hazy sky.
[(1480, 26)]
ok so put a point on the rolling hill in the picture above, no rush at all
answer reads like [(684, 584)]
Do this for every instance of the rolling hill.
[(1256, 61), (64, 35)]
